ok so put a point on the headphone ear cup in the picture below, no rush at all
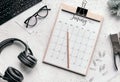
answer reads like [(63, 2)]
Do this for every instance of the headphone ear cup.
[(27, 59), (13, 75)]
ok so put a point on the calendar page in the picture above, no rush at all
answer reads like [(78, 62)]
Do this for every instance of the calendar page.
[(83, 34)]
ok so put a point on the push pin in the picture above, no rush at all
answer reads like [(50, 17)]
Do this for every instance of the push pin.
[(116, 47)]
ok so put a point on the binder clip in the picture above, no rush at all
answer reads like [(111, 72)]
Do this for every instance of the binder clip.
[(81, 10), (116, 47)]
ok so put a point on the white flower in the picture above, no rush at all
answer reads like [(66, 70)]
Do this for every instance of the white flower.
[(114, 6)]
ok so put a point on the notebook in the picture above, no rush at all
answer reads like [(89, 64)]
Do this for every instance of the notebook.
[(73, 39)]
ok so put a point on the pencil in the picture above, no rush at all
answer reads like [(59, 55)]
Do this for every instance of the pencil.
[(68, 59)]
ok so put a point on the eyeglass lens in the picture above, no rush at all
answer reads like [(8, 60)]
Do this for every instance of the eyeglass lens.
[(41, 13)]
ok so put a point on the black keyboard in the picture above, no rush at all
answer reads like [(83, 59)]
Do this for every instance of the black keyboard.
[(11, 8)]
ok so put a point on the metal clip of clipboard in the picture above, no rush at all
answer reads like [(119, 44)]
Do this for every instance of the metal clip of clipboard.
[(81, 10)]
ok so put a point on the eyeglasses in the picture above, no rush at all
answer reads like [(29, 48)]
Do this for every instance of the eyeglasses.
[(41, 13)]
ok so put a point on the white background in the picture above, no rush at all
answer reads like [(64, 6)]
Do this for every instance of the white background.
[(37, 38)]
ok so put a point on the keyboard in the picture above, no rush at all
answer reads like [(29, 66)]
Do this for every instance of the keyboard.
[(11, 8)]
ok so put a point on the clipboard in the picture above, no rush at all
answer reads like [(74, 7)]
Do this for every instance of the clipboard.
[(66, 49)]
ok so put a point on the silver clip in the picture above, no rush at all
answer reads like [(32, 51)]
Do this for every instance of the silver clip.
[(84, 2)]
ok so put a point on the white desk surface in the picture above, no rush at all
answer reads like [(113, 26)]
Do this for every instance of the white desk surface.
[(37, 38)]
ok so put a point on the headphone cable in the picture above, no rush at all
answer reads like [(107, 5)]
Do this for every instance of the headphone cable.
[(1, 76)]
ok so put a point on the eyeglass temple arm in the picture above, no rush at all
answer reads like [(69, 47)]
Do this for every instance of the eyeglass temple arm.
[(47, 9)]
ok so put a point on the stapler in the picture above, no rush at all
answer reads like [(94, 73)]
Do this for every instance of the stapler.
[(116, 47)]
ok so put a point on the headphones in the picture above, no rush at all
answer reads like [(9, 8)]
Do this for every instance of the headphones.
[(26, 57)]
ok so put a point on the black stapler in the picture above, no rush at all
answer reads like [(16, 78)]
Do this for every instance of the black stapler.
[(116, 47)]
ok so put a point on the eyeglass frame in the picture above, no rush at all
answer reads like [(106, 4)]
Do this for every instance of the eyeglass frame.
[(35, 15)]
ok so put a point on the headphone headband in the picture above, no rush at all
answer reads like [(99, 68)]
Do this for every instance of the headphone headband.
[(10, 41)]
